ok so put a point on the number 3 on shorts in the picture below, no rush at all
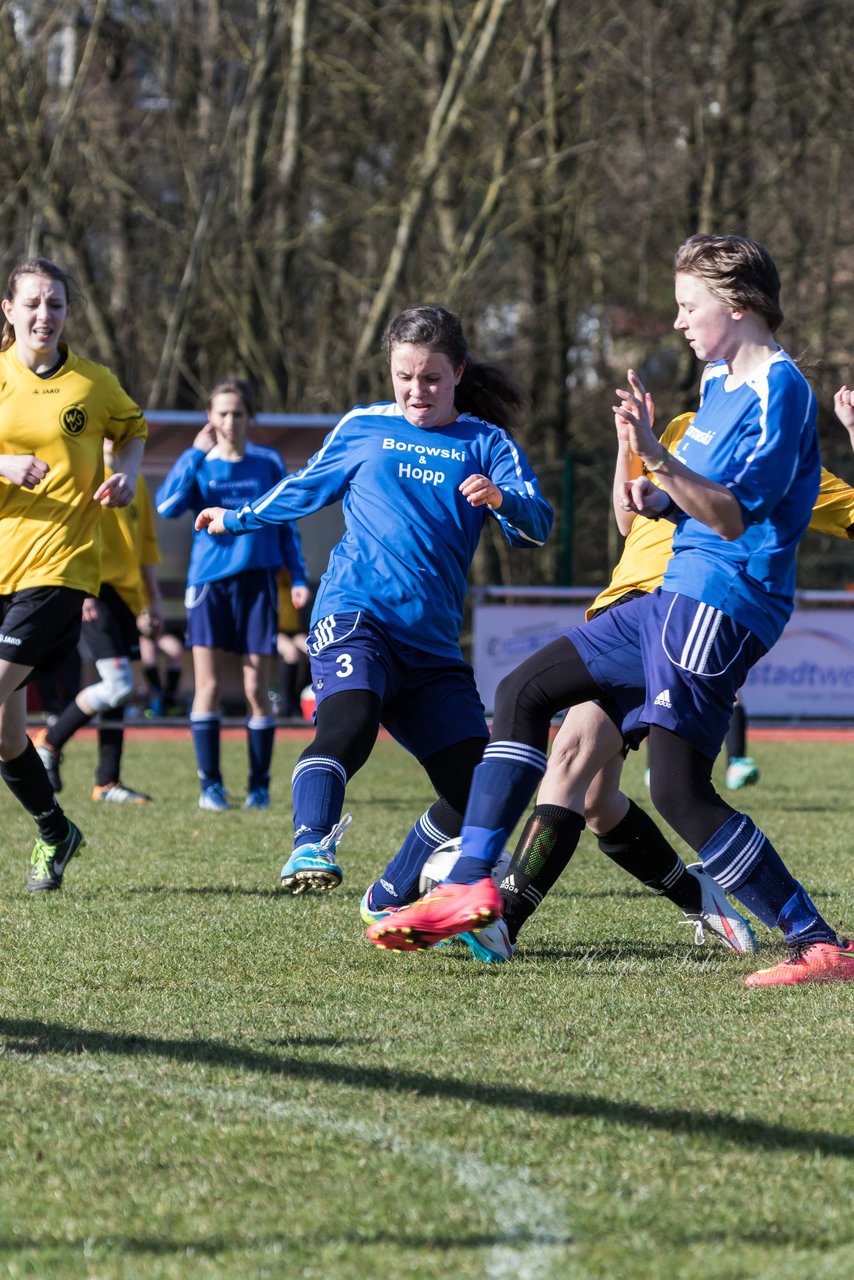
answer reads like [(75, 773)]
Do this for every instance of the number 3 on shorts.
[(344, 663)]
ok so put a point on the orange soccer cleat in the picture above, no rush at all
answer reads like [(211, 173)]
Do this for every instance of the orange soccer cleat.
[(447, 910), (821, 962)]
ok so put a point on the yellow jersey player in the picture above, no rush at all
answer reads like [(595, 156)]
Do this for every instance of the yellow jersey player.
[(110, 640), (56, 409)]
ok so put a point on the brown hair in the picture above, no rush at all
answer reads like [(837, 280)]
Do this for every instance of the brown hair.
[(739, 272), (238, 387), (483, 391), (35, 267)]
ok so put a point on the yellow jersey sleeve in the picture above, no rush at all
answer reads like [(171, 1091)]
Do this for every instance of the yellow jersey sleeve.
[(834, 507), (649, 543), (51, 534), (126, 537)]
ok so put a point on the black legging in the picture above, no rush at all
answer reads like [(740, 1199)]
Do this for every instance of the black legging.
[(347, 725), (554, 679)]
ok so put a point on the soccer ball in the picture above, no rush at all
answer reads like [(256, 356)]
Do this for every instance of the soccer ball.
[(441, 861)]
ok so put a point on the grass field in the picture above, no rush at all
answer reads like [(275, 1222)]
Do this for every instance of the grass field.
[(204, 1078)]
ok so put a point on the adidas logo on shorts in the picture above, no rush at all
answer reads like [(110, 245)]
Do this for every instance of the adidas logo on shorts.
[(663, 699)]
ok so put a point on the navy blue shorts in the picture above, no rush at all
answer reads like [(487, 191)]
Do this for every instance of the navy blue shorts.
[(428, 702), (40, 627), (670, 661), (238, 614)]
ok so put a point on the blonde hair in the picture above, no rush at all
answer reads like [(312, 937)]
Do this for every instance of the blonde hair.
[(739, 272)]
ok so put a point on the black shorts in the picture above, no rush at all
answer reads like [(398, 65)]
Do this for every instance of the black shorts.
[(40, 627), (114, 632)]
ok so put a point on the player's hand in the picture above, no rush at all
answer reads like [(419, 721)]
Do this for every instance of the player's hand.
[(633, 418), (211, 518), (149, 623), (23, 469), (206, 439), (300, 597), (90, 609), (481, 492), (843, 407), (117, 490), (643, 497)]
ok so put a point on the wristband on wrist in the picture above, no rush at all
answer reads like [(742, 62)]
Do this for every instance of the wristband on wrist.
[(666, 511), (656, 466)]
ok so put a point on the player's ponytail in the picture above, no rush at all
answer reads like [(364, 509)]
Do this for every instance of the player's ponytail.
[(487, 392), (483, 391)]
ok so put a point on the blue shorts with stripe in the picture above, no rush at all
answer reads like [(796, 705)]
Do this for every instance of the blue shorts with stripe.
[(428, 702), (671, 661), (238, 614)]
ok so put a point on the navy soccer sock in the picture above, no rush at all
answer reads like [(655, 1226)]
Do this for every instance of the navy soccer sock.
[(503, 784), (318, 784), (205, 730), (398, 884), (260, 736), (746, 865)]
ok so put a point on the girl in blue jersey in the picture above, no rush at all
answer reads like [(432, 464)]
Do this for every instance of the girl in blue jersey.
[(231, 593), (418, 478), (740, 488)]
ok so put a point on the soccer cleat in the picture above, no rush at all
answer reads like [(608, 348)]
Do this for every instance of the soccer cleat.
[(492, 945), (446, 910), (741, 772), (718, 915), (214, 798), (819, 962), (50, 758), (367, 912), (118, 793), (313, 866), (257, 798), (50, 860)]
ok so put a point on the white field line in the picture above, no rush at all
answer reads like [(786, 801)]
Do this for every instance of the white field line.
[(517, 1207)]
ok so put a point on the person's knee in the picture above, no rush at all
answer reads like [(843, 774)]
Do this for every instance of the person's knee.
[(113, 689)]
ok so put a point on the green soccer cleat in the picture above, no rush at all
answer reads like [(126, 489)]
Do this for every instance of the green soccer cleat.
[(50, 860)]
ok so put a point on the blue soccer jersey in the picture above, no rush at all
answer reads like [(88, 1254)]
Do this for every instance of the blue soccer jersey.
[(759, 439), (198, 479), (410, 535)]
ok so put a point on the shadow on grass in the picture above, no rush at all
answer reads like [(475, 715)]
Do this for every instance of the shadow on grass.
[(33, 1037), (211, 1247)]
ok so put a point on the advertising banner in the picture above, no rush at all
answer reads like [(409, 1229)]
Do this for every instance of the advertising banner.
[(808, 675)]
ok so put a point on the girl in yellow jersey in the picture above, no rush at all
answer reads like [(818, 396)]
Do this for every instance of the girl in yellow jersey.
[(110, 640), (56, 409), (587, 756)]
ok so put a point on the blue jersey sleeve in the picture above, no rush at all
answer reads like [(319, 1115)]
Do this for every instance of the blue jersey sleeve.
[(324, 479), (292, 556), (180, 491), (525, 516)]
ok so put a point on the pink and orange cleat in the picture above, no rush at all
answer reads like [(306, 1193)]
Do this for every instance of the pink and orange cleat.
[(822, 962), (447, 910)]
